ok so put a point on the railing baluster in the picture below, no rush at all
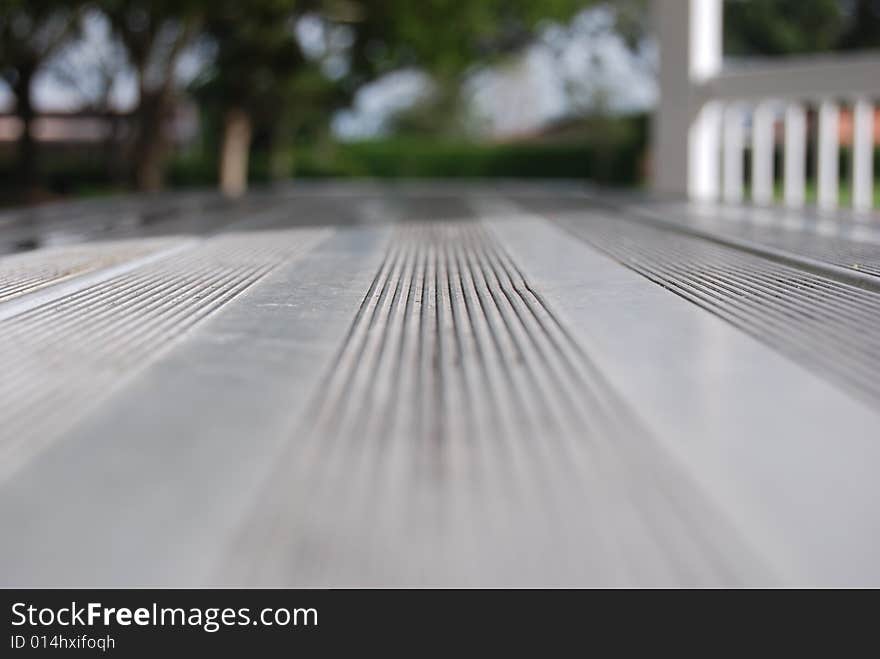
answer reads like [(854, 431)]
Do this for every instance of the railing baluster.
[(704, 151), (829, 126), (695, 148), (795, 155), (762, 154), (734, 143), (863, 155)]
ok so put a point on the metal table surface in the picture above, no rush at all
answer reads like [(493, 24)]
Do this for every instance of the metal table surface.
[(437, 384)]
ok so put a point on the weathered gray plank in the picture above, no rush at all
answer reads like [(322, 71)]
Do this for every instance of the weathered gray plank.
[(426, 384)]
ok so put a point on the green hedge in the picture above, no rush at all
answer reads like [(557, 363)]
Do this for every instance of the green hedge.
[(408, 158), (604, 150), (397, 158)]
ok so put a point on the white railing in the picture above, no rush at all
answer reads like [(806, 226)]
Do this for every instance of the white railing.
[(710, 116)]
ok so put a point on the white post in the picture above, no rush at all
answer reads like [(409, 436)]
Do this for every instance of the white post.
[(762, 154), (827, 157), (795, 155), (863, 155), (686, 130), (704, 153), (734, 142)]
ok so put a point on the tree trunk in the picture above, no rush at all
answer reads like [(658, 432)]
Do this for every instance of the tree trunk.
[(151, 143), (281, 155), (282, 151), (150, 167), (235, 152), (114, 152), (27, 148), (281, 162)]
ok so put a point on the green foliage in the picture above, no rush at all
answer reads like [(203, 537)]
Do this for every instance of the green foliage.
[(153, 32), (606, 150), (442, 114), (255, 62), (783, 27), (258, 67), (31, 30), (444, 37), (414, 158), (256, 51), (863, 26)]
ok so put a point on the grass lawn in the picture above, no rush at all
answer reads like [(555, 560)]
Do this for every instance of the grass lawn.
[(844, 198)]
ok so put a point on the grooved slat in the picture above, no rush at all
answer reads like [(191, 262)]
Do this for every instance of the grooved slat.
[(463, 435), (826, 325), (855, 255), (60, 358), (830, 240), (32, 271)]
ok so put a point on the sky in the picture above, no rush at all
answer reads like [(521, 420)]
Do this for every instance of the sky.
[(576, 68)]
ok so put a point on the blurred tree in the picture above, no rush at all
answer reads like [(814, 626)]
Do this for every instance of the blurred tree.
[(91, 68), (445, 39), (784, 27), (259, 80), (154, 34), (632, 20), (260, 71), (306, 104), (863, 26), (30, 32), (441, 113)]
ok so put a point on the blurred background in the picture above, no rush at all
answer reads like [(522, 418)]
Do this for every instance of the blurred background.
[(107, 96)]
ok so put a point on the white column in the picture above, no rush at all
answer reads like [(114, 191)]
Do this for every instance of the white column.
[(827, 157), (686, 132), (705, 38), (795, 155), (704, 153), (734, 143), (762, 154), (863, 155)]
